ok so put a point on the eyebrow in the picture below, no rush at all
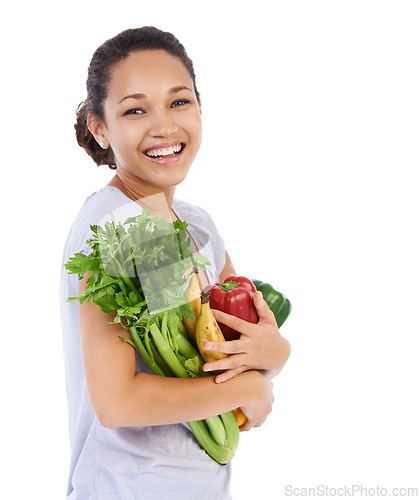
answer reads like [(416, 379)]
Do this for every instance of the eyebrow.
[(173, 90)]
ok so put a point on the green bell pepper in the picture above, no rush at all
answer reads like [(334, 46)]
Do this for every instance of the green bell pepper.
[(277, 302)]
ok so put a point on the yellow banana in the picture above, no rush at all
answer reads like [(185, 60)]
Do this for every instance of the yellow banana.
[(239, 416), (193, 296), (208, 330)]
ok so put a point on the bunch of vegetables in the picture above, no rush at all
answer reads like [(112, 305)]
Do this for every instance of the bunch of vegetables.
[(139, 271)]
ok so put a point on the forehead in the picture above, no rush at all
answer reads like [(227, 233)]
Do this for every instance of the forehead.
[(147, 72)]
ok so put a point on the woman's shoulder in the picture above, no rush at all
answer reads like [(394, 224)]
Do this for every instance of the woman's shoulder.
[(196, 216), (198, 219), (102, 201), (96, 207), (189, 212), (108, 202)]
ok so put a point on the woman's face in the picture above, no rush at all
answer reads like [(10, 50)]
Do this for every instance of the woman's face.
[(153, 118)]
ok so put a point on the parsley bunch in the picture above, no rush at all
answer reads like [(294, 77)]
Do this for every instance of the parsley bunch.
[(140, 263)]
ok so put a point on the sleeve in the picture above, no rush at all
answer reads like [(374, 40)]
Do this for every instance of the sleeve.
[(205, 233), (218, 245)]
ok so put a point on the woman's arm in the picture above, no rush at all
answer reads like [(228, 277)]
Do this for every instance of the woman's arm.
[(228, 269), (121, 397)]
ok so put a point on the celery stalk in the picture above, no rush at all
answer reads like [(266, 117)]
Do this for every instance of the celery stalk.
[(217, 430), (160, 362), (167, 354), (219, 453), (182, 330), (184, 346), (232, 430), (144, 354)]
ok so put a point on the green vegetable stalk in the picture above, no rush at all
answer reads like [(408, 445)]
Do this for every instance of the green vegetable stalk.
[(138, 270)]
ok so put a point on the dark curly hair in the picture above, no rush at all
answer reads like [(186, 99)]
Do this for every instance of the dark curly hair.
[(113, 51)]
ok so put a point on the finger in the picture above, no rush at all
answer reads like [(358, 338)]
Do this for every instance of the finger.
[(227, 347), (246, 426), (224, 364), (228, 374), (259, 424), (262, 308), (252, 425), (240, 325)]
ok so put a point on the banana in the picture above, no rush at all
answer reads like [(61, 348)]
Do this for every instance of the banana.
[(239, 416), (207, 330), (193, 296)]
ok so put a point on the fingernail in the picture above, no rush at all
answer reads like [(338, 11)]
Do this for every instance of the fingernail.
[(207, 346)]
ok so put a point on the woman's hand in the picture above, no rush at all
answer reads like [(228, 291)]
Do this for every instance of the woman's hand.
[(260, 399), (260, 347)]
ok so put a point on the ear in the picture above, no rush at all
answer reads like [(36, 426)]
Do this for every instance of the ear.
[(97, 129), (198, 98)]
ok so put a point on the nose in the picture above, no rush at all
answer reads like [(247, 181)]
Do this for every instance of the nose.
[(163, 124)]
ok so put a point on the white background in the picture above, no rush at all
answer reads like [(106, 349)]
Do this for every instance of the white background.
[(308, 167)]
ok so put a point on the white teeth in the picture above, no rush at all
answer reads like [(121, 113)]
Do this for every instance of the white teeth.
[(164, 151)]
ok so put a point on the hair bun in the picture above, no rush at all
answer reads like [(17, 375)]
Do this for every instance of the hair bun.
[(86, 140)]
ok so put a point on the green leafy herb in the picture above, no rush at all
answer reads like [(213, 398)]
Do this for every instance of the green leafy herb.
[(143, 259)]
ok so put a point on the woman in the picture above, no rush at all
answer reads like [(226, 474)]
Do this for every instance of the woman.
[(142, 118)]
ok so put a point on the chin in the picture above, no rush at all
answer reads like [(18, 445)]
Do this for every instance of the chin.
[(173, 178)]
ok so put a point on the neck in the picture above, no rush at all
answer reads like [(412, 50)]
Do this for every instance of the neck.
[(157, 200)]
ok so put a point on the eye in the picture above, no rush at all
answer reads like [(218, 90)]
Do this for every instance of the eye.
[(134, 111), (179, 102)]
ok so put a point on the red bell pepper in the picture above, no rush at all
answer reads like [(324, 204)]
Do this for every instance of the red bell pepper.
[(235, 297)]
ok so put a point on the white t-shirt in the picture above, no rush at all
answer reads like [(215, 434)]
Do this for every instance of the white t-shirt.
[(162, 462)]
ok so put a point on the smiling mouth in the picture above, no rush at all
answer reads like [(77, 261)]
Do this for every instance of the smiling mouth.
[(165, 152)]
